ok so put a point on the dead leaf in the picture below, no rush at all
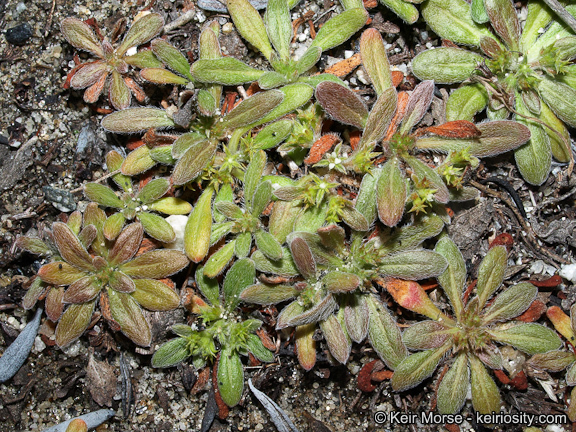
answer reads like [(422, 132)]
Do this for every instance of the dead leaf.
[(101, 381)]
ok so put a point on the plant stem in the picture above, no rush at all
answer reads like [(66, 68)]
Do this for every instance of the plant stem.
[(562, 13)]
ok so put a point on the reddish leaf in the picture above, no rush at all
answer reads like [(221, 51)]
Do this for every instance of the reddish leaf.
[(503, 239), (320, 147), (455, 129)]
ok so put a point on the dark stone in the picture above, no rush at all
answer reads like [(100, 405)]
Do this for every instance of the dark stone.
[(19, 35)]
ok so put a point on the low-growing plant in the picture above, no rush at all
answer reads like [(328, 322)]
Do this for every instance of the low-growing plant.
[(134, 204), (272, 37), (113, 61), (223, 332), (524, 71), (403, 177), (471, 335), (97, 271), (337, 291), (243, 222)]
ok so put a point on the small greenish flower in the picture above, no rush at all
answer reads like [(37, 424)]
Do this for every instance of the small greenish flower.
[(471, 335), (110, 275), (223, 331), (113, 61), (134, 204)]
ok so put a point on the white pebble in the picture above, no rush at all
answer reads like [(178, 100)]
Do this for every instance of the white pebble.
[(568, 272)]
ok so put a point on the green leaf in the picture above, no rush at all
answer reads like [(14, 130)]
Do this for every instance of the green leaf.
[(262, 197), (416, 368), (162, 154), (465, 102), (143, 59), (534, 158), (357, 317), (375, 60), (172, 57), (528, 337), (252, 109), (312, 218), (340, 28), (171, 353), (224, 71), (70, 248), (163, 76), (171, 206), (380, 116), (485, 395), (230, 375), (561, 98), (353, 218), (491, 274), (451, 19), (138, 161), (135, 120), (445, 65), (273, 134), (305, 346), (295, 95), (219, 259), (208, 42), (339, 282), (270, 80), (417, 105), (425, 335), (296, 315), (142, 31), (504, 21), (191, 164), (308, 60), (268, 245), (336, 338), (156, 264), (281, 221), (478, 12), (342, 104), (127, 313), (198, 228), (155, 295), (283, 267), (454, 387), (103, 195), (279, 26), (157, 227), (453, 278), (250, 25), (366, 202), (73, 323), (80, 35), (240, 276), (510, 303), (257, 348), (557, 133), (268, 294), (404, 9), (539, 16), (243, 244), (391, 193), (153, 190), (554, 361), (413, 265), (119, 92), (384, 334), (208, 287), (184, 142)]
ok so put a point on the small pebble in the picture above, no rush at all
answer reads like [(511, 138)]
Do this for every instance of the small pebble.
[(227, 28), (19, 35)]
